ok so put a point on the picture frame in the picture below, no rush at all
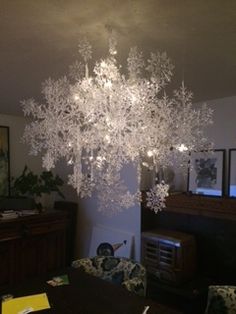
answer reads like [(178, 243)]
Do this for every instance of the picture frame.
[(206, 173), (4, 162), (232, 173)]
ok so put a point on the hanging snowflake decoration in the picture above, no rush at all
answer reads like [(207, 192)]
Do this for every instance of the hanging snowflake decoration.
[(101, 120), (156, 197)]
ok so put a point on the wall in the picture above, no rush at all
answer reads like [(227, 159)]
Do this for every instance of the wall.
[(222, 133), (19, 156), (62, 169), (128, 220)]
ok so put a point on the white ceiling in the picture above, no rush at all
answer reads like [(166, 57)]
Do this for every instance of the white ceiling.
[(39, 39)]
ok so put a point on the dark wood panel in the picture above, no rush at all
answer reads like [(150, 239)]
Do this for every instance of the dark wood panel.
[(32, 245), (71, 208), (6, 262), (190, 204), (222, 207)]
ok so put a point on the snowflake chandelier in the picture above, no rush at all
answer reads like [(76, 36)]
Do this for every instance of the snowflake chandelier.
[(100, 121)]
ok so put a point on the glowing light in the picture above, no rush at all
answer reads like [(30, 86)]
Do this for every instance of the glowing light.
[(182, 148), (150, 153)]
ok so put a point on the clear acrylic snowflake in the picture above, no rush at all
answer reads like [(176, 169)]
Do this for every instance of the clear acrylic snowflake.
[(101, 118), (156, 197)]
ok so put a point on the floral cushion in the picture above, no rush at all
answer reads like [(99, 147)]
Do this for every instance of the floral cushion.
[(119, 270), (221, 300)]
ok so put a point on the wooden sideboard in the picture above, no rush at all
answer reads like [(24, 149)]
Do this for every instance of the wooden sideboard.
[(215, 207), (190, 204), (32, 245)]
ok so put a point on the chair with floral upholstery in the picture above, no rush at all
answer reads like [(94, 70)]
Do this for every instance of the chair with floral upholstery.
[(221, 300), (118, 270)]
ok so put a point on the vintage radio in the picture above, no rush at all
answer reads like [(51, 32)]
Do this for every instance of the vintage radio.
[(169, 255)]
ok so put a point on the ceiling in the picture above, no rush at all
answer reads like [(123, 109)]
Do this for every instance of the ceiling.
[(39, 40)]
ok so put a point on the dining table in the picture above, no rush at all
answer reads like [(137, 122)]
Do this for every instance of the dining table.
[(86, 294)]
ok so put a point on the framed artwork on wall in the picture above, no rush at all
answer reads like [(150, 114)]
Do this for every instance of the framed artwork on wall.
[(4, 161), (206, 173), (232, 173)]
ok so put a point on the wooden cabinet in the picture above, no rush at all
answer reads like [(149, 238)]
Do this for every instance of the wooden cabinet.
[(32, 245), (189, 204), (215, 207)]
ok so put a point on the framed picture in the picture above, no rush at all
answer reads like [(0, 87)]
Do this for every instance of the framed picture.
[(232, 173), (206, 173), (4, 161)]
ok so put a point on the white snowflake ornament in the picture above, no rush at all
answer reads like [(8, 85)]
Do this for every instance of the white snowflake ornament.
[(156, 197)]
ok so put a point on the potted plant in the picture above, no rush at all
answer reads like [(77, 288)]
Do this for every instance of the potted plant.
[(32, 185)]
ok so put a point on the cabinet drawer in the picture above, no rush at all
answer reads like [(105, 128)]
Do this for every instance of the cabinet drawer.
[(38, 228)]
